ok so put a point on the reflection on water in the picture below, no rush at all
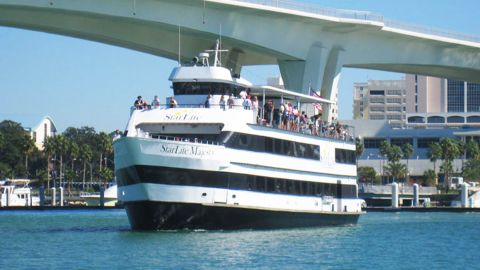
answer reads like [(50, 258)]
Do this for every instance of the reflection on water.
[(102, 239)]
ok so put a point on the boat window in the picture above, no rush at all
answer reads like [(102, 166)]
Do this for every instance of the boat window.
[(263, 144), (344, 156), (188, 177), (205, 88)]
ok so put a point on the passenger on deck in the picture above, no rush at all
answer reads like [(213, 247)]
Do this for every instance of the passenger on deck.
[(222, 102), (268, 107), (138, 103), (230, 101), (247, 104), (173, 102), (155, 103), (208, 101), (243, 94)]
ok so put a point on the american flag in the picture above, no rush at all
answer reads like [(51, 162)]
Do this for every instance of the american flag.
[(318, 106)]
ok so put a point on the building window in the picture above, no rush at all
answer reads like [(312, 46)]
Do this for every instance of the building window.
[(455, 119), (394, 92), (394, 117), (377, 100), (370, 143), (394, 109), (377, 109), (377, 117), (377, 92), (473, 97), (401, 141), (436, 120), (426, 142), (416, 120), (34, 136), (455, 96), (394, 100), (473, 119)]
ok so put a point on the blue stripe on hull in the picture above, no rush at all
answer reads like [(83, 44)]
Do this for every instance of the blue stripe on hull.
[(148, 215)]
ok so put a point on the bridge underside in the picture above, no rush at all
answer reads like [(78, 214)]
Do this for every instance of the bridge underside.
[(309, 50)]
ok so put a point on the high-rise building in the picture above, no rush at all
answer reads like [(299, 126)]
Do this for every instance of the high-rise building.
[(380, 100), (441, 102)]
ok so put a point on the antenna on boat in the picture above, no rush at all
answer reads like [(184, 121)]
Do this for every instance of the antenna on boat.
[(217, 52), (179, 45), (220, 38)]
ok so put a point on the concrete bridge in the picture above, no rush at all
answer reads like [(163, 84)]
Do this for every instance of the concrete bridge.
[(310, 45)]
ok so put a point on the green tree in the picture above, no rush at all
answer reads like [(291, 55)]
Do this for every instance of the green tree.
[(12, 152), (49, 149), (407, 150), (28, 147), (396, 170), (367, 174), (450, 151), (2, 140), (430, 177), (86, 155), (73, 155), (106, 148), (435, 153), (472, 150), (471, 171), (106, 175), (359, 148)]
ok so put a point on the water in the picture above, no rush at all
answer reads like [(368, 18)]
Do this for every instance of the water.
[(103, 240)]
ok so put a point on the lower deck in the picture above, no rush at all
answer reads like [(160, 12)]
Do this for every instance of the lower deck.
[(148, 215)]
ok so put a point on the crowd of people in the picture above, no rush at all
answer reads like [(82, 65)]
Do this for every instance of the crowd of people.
[(286, 116)]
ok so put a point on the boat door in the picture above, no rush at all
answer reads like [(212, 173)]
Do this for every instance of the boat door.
[(220, 196)]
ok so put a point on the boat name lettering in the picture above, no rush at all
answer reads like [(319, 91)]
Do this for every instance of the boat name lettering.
[(183, 116), (186, 150)]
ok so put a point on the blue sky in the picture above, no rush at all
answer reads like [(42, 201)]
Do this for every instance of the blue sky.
[(84, 83)]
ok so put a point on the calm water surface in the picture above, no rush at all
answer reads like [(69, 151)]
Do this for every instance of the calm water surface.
[(102, 240)]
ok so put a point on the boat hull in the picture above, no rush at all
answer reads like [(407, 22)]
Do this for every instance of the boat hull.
[(151, 215)]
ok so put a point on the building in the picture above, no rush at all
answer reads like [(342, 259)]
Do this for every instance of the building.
[(39, 130), (430, 109), (437, 102), (381, 100), (373, 132)]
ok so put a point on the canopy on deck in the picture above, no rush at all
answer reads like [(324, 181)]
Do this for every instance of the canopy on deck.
[(274, 92)]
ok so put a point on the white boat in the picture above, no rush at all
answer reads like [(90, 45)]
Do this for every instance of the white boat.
[(109, 197), (16, 192), (188, 166)]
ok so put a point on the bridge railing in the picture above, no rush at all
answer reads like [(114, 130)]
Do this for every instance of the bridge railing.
[(362, 16), (430, 31), (309, 8)]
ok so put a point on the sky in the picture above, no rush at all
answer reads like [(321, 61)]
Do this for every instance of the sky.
[(83, 83)]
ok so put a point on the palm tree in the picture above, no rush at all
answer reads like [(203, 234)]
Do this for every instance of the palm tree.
[(407, 150), (62, 148), (396, 170), (49, 148), (85, 155), (73, 152), (472, 150), (359, 147), (105, 143), (28, 147), (450, 151), (435, 153)]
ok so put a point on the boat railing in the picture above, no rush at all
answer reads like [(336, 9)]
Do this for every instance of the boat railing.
[(185, 139), (185, 106), (335, 131)]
